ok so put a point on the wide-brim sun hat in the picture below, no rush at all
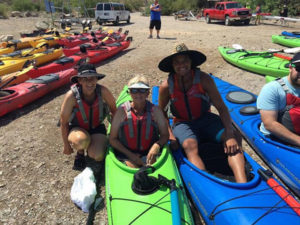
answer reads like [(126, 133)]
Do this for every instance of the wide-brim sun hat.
[(87, 70), (196, 57)]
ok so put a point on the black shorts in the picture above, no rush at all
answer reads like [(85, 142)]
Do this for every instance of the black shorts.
[(101, 129), (156, 24)]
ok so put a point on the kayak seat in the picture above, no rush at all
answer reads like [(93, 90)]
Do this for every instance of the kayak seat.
[(64, 60), (114, 44), (240, 97), (6, 93), (48, 51), (86, 45), (70, 38), (46, 79), (1, 63), (14, 54), (84, 39), (49, 38)]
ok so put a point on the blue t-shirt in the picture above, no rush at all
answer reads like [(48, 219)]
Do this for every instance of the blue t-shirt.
[(155, 15), (272, 97)]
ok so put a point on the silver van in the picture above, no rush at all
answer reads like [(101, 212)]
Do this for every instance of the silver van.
[(111, 12)]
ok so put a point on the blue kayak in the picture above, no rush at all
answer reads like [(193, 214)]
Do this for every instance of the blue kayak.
[(282, 159), (291, 34), (224, 202)]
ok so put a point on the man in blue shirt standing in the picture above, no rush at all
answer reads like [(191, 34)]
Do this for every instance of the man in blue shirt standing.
[(279, 105), (155, 18)]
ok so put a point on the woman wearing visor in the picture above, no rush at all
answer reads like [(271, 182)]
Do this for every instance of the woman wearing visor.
[(139, 129)]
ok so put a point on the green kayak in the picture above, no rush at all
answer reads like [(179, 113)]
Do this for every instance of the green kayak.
[(125, 206), (264, 63), (286, 40)]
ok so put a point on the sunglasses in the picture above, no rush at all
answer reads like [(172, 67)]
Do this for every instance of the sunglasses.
[(138, 90), (297, 67)]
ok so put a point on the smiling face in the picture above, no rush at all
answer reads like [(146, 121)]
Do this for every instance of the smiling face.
[(294, 76), (182, 64), (88, 84), (139, 97)]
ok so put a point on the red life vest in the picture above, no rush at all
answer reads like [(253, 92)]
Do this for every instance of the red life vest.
[(138, 133), (85, 115), (189, 105), (290, 115)]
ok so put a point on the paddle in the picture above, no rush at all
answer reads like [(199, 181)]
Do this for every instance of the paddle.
[(288, 198), (287, 50)]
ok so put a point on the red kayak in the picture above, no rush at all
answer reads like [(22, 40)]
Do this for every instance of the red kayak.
[(20, 95), (75, 40), (111, 38), (94, 56)]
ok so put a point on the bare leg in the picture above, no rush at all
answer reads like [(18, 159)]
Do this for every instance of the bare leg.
[(97, 147), (190, 147), (151, 32), (157, 31), (79, 139)]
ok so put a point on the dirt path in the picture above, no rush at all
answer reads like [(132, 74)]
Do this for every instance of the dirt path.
[(36, 178)]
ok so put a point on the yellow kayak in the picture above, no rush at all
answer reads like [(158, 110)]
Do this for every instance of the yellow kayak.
[(16, 77), (13, 65), (7, 50), (22, 53), (51, 41)]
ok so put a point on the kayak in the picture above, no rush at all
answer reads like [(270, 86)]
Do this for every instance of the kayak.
[(21, 43), (17, 96), (222, 201), (72, 41), (291, 34), (49, 40), (22, 53), (281, 158), (106, 51), (93, 45), (127, 206), (13, 65), (286, 40), (265, 63), (7, 50)]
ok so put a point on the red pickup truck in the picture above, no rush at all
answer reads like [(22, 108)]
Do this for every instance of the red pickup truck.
[(228, 12)]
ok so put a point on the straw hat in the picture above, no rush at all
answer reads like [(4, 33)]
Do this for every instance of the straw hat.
[(181, 49)]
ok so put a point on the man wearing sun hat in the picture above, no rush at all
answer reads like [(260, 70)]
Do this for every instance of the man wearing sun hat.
[(190, 93), (279, 105), (83, 111)]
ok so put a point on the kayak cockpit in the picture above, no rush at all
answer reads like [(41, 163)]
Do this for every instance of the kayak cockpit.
[(5, 94)]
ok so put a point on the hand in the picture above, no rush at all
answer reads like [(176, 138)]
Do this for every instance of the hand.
[(151, 157), (231, 146), (135, 159), (174, 145), (68, 150)]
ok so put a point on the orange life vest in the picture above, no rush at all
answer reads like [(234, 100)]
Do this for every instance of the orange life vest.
[(138, 133), (188, 105), (85, 115)]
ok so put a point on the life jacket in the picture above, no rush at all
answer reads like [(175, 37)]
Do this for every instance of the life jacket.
[(290, 115), (85, 115), (189, 105), (138, 133)]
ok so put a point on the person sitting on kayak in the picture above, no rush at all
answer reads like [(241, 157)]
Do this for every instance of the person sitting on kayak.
[(190, 93), (139, 129), (279, 105), (83, 110)]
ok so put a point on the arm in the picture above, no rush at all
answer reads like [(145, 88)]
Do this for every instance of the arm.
[(163, 100), (155, 8), (231, 145), (269, 118), (109, 99), (114, 138), (160, 120), (65, 114)]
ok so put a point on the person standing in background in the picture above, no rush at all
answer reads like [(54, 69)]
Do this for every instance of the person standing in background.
[(155, 20), (258, 12)]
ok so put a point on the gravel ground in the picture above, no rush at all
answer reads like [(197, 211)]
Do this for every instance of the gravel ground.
[(36, 178)]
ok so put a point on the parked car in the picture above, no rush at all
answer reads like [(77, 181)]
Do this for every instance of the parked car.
[(228, 12), (111, 12)]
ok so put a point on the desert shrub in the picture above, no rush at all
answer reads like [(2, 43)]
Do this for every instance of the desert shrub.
[(3, 10), (26, 5)]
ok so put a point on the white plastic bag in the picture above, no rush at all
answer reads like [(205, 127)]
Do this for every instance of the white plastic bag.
[(83, 190)]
